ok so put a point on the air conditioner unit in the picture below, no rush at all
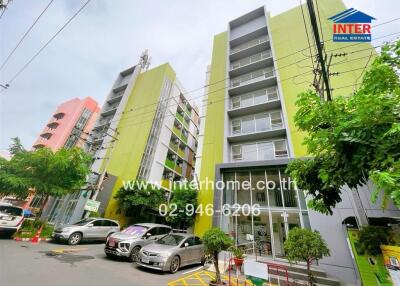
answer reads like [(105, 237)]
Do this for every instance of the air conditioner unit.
[(173, 157), (170, 175), (176, 141)]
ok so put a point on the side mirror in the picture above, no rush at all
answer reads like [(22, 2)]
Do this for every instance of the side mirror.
[(90, 225), (148, 235), (186, 244)]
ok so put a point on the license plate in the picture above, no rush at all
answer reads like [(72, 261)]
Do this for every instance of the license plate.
[(146, 260), (7, 218)]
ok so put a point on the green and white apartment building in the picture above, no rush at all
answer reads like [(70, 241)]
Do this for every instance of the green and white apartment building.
[(147, 130), (248, 134)]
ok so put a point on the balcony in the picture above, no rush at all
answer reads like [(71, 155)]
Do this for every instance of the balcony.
[(250, 48), (109, 111), (182, 120), (59, 115), (53, 125), (116, 97), (251, 63), (258, 79), (46, 135), (170, 163), (254, 102), (242, 40), (102, 124), (181, 153)]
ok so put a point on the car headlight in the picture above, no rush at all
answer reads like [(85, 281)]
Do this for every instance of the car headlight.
[(124, 246)]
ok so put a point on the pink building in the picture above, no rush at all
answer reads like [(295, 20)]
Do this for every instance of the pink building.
[(68, 124)]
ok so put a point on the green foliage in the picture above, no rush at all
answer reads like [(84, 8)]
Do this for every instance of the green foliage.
[(352, 139), (305, 245), (182, 196), (47, 172), (16, 146), (237, 252), (215, 241), (139, 197), (30, 227), (371, 237)]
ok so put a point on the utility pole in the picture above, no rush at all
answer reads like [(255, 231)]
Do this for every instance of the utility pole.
[(320, 51)]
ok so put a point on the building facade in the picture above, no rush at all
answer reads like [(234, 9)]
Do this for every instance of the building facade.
[(68, 127), (147, 130), (258, 67)]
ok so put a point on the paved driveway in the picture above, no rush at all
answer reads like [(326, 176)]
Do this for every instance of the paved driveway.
[(50, 264)]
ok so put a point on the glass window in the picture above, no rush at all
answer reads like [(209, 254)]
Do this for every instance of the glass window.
[(249, 152), (268, 73), (236, 152), (272, 93), (276, 119), (243, 193), (229, 191), (236, 126), (289, 191), (265, 151), (247, 100), (98, 223), (135, 230), (236, 102), (248, 125), (260, 96), (171, 239), (274, 188), (262, 122), (280, 148), (259, 188), (257, 73), (161, 230)]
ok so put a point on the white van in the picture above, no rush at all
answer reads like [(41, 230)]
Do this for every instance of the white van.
[(11, 217)]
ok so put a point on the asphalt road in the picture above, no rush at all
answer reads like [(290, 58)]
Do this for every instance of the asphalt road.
[(54, 264)]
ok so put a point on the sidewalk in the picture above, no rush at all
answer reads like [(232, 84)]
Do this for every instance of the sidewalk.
[(203, 278)]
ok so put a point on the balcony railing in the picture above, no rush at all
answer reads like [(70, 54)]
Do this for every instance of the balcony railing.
[(251, 59), (249, 44), (181, 152), (255, 97), (170, 164), (256, 123), (252, 77)]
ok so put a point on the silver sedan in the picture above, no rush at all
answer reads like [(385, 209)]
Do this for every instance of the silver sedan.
[(172, 252)]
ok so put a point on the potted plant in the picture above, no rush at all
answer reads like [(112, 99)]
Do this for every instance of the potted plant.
[(238, 256), (215, 241)]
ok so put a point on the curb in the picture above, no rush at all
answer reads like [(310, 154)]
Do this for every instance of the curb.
[(29, 239)]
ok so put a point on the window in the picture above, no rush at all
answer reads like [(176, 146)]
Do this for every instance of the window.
[(248, 124), (280, 148), (193, 241), (237, 152), (160, 231), (272, 93), (98, 222), (265, 151), (247, 100), (260, 96), (249, 152), (276, 119), (236, 127), (262, 122)]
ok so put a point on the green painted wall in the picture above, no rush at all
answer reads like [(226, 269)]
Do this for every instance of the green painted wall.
[(134, 128), (214, 128), (288, 36)]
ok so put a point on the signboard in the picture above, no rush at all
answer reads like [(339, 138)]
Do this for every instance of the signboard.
[(92, 206)]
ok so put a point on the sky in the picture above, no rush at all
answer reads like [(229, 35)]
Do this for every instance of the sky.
[(109, 36)]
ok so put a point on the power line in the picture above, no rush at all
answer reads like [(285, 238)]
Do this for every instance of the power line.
[(26, 33), (48, 42)]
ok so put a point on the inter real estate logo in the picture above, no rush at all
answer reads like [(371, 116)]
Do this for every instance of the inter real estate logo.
[(351, 25)]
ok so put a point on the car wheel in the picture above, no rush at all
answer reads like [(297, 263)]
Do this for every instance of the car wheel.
[(74, 238), (135, 254), (175, 263)]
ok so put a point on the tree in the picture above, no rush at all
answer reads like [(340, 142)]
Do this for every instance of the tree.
[(48, 173), (183, 196), (353, 140), (16, 146), (371, 237), (305, 245), (138, 197), (215, 241)]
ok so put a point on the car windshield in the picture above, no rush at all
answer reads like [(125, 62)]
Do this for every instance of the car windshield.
[(171, 239), (83, 222), (10, 210), (135, 230)]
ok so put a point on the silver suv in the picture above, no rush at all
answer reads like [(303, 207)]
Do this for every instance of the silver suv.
[(128, 242), (86, 229)]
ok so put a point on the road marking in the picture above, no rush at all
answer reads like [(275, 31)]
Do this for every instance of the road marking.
[(63, 250), (190, 271)]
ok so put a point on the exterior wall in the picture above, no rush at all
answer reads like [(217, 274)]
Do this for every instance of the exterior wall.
[(212, 152), (72, 110), (288, 37), (127, 153)]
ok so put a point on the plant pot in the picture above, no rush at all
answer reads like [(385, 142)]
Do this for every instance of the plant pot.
[(212, 283), (238, 261)]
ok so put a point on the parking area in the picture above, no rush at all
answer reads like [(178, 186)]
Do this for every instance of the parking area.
[(48, 263)]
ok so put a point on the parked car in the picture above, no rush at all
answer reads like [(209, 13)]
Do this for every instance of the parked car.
[(172, 252), (86, 229), (11, 217), (128, 242)]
